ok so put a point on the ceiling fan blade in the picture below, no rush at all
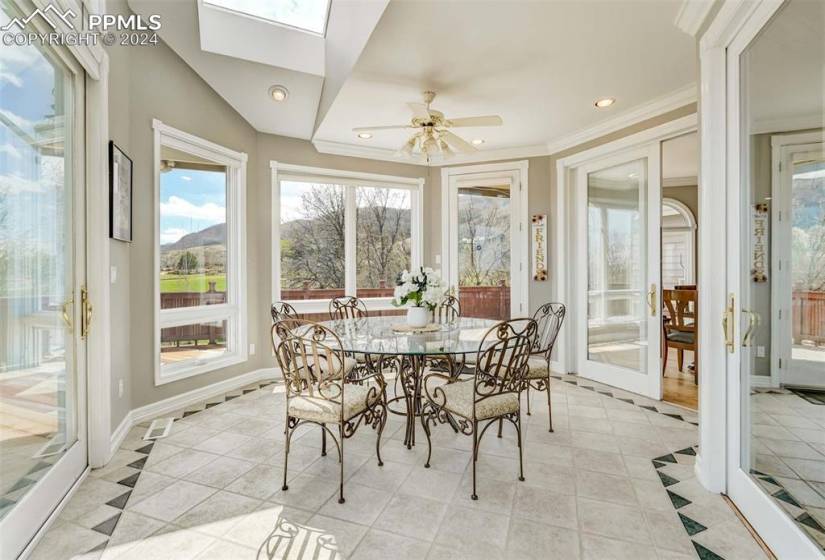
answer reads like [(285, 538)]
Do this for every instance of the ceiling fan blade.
[(487, 120), (407, 148), (420, 111), (389, 127), (457, 143)]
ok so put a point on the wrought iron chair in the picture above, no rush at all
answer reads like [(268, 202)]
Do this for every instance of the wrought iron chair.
[(318, 390), (347, 307), (448, 311), (282, 310), (549, 318), (491, 395)]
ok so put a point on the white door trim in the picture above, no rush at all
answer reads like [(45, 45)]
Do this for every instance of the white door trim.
[(520, 276), (565, 182), (717, 466)]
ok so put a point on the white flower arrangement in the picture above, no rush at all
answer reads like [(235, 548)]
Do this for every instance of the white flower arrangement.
[(422, 289)]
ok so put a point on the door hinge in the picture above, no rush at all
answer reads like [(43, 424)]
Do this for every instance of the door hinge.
[(780, 314), (780, 363), (780, 215), (780, 166)]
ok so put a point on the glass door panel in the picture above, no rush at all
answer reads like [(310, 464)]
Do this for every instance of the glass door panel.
[(41, 255), (807, 269), (618, 221), (484, 217)]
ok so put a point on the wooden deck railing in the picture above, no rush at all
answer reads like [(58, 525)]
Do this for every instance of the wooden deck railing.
[(808, 317)]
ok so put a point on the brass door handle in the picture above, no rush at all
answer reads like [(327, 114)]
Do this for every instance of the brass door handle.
[(66, 312), (651, 300), (728, 327), (86, 312), (753, 322)]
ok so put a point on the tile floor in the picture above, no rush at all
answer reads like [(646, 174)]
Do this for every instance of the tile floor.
[(615, 480), (789, 455)]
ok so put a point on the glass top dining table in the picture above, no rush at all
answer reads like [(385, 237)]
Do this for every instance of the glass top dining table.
[(383, 348), (378, 336)]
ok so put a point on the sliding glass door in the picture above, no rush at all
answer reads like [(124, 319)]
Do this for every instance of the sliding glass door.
[(617, 274), (42, 271)]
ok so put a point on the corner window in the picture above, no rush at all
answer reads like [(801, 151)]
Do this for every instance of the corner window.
[(200, 257), (341, 233)]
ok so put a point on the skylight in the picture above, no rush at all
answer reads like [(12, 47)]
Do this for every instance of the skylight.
[(309, 15)]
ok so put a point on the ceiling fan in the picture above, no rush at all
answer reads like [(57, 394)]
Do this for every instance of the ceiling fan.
[(432, 134)]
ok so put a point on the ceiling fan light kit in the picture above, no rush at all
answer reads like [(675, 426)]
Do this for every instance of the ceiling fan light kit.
[(432, 134)]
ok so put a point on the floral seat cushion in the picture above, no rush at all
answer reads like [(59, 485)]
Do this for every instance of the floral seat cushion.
[(315, 408), (460, 397), (537, 368)]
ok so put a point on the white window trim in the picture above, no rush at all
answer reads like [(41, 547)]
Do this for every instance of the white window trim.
[(286, 171), (234, 311)]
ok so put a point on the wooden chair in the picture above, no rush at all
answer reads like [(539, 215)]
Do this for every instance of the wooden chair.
[(680, 330), (549, 318), (491, 395), (347, 307), (319, 390)]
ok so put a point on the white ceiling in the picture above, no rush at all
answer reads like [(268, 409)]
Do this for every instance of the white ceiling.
[(680, 159), (540, 65)]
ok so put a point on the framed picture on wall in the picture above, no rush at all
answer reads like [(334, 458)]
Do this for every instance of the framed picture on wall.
[(120, 194)]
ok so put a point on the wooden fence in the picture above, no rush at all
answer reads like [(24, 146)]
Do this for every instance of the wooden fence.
[(808, 316)]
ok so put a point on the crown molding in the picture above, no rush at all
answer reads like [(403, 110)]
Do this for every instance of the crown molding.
[(689, 181), (649, 110), (385, 154), (654, 108), (692, 15)]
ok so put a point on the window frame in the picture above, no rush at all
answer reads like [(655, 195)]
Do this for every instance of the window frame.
[(234, 310), (688, 231), (350, 180)]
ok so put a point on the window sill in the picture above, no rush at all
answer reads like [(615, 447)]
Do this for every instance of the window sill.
[(171, 374)]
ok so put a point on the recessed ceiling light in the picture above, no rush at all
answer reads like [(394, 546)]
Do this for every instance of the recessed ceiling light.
[(364, 135), (278, 93), (605, 102), (478, 141)]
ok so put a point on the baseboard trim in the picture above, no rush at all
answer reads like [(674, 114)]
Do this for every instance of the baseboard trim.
[(171, 404), (53, 517), (762, 381)]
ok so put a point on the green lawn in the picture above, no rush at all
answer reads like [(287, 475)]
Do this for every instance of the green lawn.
[(170, 283)]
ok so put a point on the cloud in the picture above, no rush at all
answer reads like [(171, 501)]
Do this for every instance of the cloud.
[(170, 235), (181, 208), (12, 185), (18, 121), (186, 177), (11, 79), (10, 150)]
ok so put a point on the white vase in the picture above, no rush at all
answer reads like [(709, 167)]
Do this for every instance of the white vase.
[(418, 317)]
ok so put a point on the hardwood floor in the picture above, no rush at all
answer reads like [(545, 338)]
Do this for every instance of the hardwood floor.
[(678, 387)]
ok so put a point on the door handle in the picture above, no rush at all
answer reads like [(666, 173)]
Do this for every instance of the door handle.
[(85, 312), (728, 327), (753, 322), (66, 312), (651, 300)]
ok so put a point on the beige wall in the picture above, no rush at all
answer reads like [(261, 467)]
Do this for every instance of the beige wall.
[(153, 82)]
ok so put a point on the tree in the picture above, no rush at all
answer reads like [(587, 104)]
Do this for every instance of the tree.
[(383, 234), (484, 237), (187, 263)]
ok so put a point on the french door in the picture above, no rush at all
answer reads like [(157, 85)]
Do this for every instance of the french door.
[(798, 262), (617, 272), (44, 313), (486, 238)]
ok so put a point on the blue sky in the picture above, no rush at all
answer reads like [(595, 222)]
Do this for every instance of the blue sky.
[(190, 201)]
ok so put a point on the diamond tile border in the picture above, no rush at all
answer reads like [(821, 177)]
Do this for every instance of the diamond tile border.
[(792, 507), (108, 526)]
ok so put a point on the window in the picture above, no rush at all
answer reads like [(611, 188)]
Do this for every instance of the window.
[(199, 254), (341, 233), (678, 234), (309, 15)]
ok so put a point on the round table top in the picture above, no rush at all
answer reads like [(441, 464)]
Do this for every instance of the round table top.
[(375, 335)]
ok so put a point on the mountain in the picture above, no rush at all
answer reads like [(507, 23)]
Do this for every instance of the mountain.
[(213, 235)]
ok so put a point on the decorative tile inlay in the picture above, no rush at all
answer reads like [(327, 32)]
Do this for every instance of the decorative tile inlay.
[(108, 526), (692, 527)]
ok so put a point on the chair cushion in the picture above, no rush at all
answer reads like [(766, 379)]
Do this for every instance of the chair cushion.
[(461, 394), (537, 368), (318, 409), (683, 337), (349, 363)]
